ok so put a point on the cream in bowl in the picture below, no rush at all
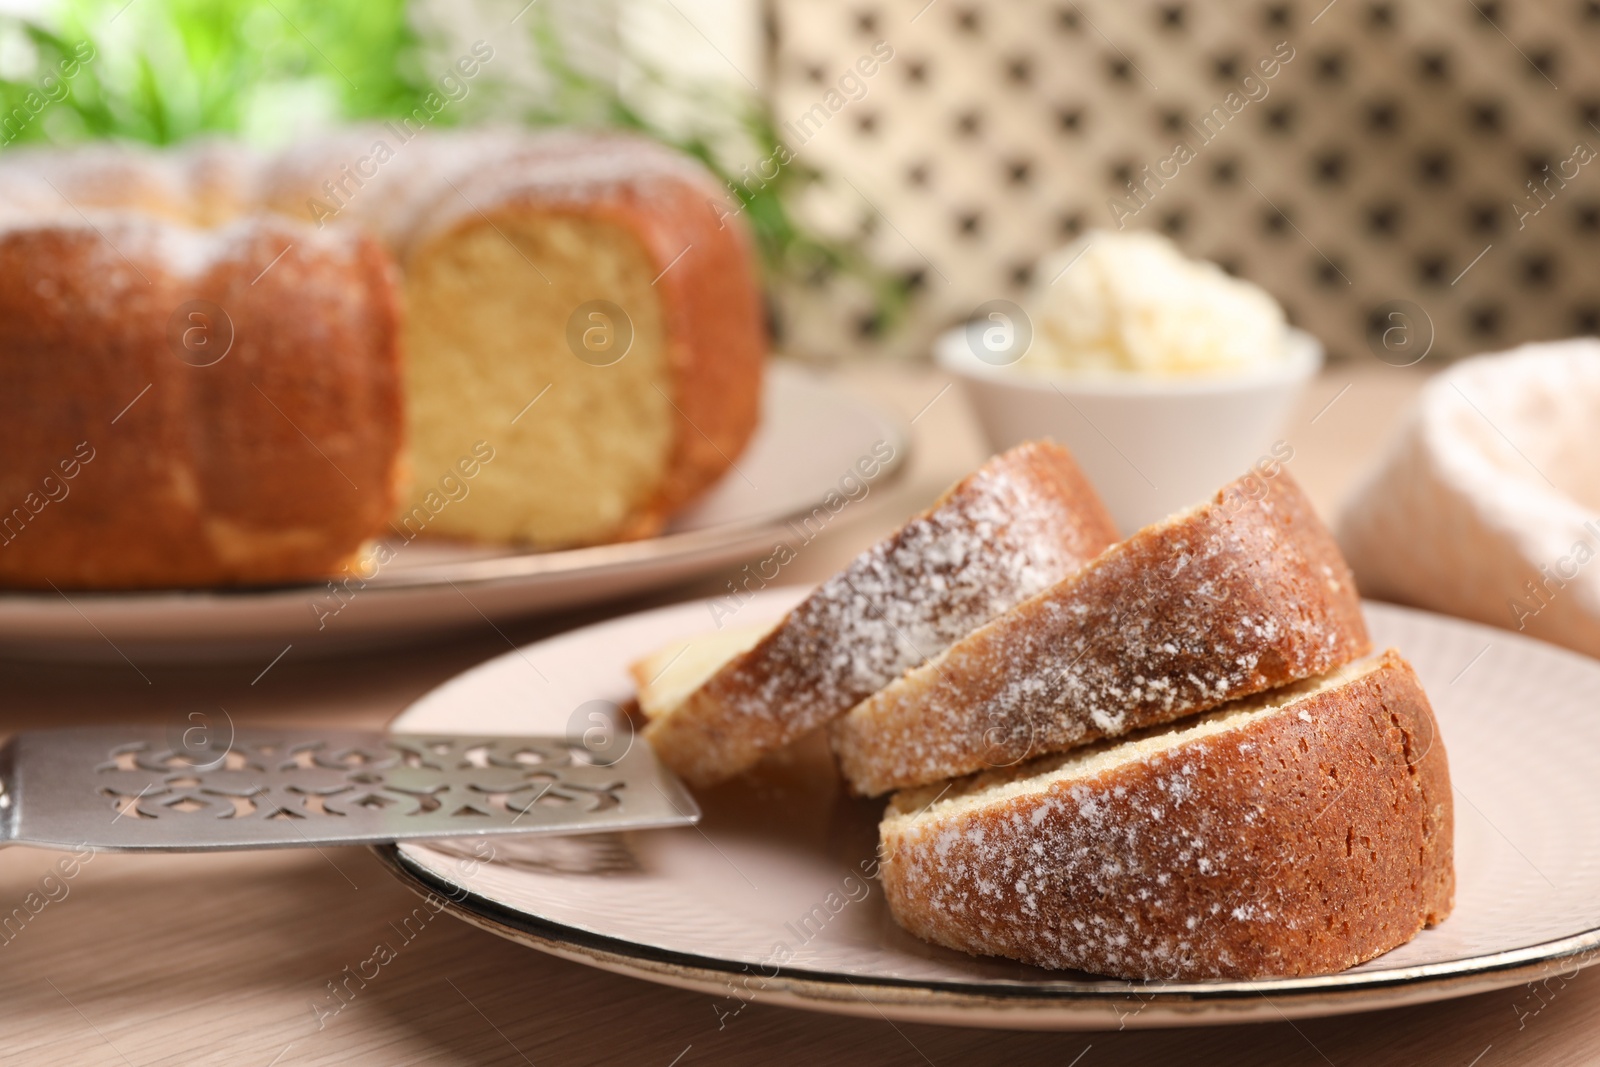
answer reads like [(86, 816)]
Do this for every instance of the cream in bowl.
[(1164, 375)]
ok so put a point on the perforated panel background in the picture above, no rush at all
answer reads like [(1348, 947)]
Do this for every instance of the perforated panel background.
[(1388, 157)]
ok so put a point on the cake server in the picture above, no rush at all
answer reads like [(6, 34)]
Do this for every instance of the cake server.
[(131, 789)]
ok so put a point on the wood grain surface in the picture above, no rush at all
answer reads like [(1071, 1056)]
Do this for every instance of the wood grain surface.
[(217, 959)]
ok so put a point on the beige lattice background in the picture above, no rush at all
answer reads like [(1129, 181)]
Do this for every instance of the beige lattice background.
[(1386, 160)]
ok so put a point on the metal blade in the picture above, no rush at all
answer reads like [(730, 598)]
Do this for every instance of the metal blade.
[(132, 789)]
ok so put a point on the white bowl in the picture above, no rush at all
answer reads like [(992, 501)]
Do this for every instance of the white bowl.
[(1152, 446)]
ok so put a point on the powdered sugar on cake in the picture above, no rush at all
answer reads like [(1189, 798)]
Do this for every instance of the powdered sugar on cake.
[(1213, 605), (907, 598), (993, 879), (1212, 850), (1021, 523)]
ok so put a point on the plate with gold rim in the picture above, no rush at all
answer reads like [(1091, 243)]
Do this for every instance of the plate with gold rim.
[(771, 899)]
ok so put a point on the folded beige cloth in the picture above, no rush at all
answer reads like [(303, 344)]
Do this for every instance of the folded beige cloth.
[(1487, 505)]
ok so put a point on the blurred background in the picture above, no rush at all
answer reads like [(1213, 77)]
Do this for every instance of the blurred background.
[(904, 162)]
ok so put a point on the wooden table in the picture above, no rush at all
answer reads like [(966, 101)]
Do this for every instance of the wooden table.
[(216, 959)]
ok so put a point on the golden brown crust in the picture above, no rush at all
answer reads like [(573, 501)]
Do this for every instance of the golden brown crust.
[(1019, 524), (718, 338), (1242, 594), (1303, 842), (275, 463), (715, 333)]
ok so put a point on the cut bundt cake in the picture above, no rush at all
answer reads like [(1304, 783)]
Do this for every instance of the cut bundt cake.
[(1021, 523), (183, 407), (1232, 597), (1297, 832), (583, 341)]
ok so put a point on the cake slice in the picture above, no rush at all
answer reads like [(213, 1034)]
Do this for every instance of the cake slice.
[(1296, 832), (1018, 525), (1235, 596), (666, 677)]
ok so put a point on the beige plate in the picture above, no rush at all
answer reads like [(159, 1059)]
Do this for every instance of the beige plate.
[(812, 434), (778, 858)]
